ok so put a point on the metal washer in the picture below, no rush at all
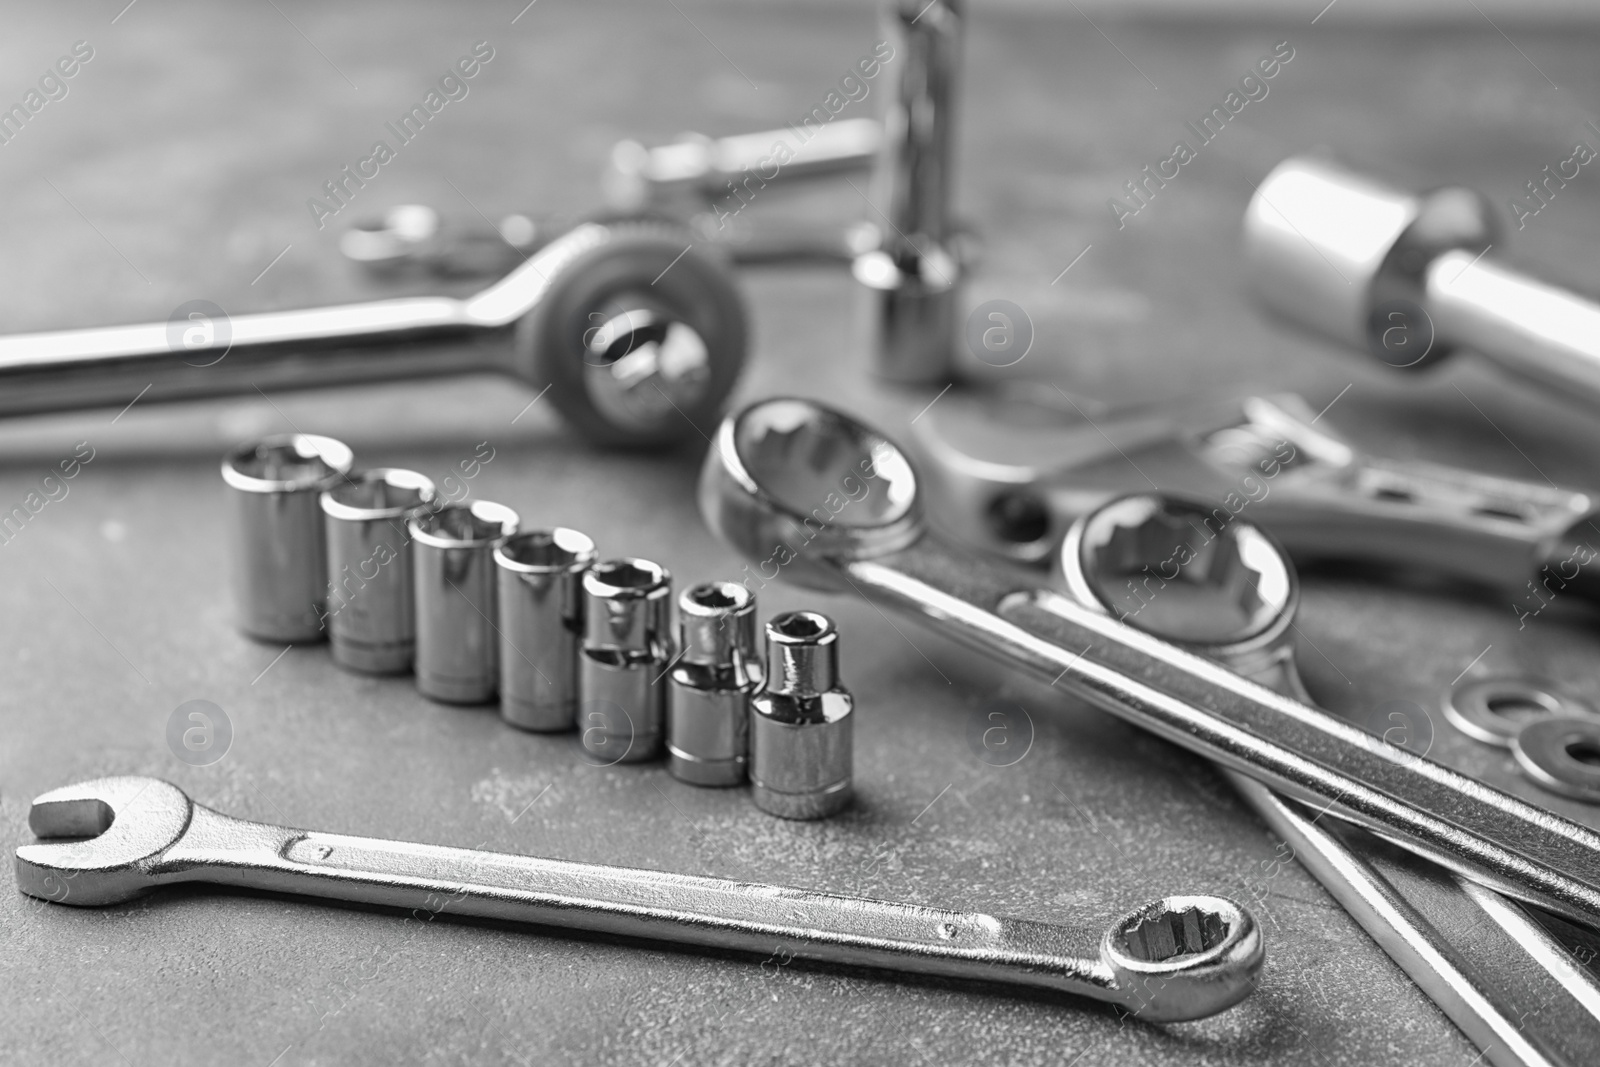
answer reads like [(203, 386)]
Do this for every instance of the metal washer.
[(1471, 707), (1545, 750)]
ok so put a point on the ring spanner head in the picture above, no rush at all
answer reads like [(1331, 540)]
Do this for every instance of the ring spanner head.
[(126, 823), (789, 481)]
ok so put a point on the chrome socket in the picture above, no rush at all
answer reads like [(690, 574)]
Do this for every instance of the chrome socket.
[(280, 563), (627, 647), (801, 724), (541, 626), (718, 672), (458, 653), (370, 616)]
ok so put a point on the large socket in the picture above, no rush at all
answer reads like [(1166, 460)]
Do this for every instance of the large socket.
[(280, 563), (717, 673), (458, 652), (371, 617), (541, 626), (627, 648)]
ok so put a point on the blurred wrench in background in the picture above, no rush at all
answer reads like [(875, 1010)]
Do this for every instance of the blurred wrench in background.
[(1011, 475)]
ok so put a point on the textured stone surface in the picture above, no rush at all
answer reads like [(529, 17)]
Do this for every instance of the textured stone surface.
[(189, 145)]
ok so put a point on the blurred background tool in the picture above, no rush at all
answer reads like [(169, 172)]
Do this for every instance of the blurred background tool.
[(1410, 278)]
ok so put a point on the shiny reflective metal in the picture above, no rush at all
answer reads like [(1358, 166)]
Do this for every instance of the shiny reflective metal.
[(627, 652), (1409, 278), (1010, 474), (1493, 710), (1562, 755), (1226, 591), (534, 324), (452, 555), (371, 616), (541, 624), (279, 558), (1182, 957), (718, 670), (914, 276), (776, 462), (694, 171), (802, 724)]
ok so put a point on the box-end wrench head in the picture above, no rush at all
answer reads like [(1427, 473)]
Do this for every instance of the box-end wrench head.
[(1177, 958), (814, 496)]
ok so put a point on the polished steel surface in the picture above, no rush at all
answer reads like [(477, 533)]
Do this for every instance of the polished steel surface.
[(279, 560), (1011, 474), (779, 463), (913, 278), (1227, 593), (718, 669), (452, 555), (627, 653), (802, 723), (370, 608), (530, 325), (1182, 957), (540, 624), (1411, 277)]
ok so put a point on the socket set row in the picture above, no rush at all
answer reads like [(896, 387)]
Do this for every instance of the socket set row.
[(477, 608)]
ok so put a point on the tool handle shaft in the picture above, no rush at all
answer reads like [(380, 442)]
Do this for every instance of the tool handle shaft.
[(1531, 328)]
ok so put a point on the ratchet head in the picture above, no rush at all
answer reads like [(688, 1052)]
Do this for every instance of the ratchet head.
[(122, 825), (1184, 957), (797, 488)]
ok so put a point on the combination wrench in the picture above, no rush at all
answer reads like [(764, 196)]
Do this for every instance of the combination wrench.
[(1177, 958), (1484, 960), (814, 496)]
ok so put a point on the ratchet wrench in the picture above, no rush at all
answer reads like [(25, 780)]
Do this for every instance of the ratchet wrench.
[(808, 493), (1498, 974), (1181, 957)]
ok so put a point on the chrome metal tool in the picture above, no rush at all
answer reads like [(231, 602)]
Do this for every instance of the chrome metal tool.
[(1410, 278), (1011, 474), (1177, 958), (1228, 593), (813, 496), (638, 334)]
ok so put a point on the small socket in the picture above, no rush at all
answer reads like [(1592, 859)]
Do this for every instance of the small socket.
[(452, 556), (627, 646), (371, 617), (801, 724), (717, 673), (541, 626), (280, 562)]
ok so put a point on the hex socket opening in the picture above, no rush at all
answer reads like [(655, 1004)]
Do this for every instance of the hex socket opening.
[(559, 549), (629, 574), (466, 524), (286, 462), (801, 625), (384, 492), (1160, 936)]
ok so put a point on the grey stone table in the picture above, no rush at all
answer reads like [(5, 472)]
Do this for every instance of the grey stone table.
[(178, 166)]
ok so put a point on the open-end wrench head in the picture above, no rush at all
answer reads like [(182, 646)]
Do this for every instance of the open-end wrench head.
[(125, 824), (792, 485), (1184, 957)]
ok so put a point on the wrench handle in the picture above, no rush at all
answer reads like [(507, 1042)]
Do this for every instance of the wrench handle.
[(774, 921), (1520, 849)]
